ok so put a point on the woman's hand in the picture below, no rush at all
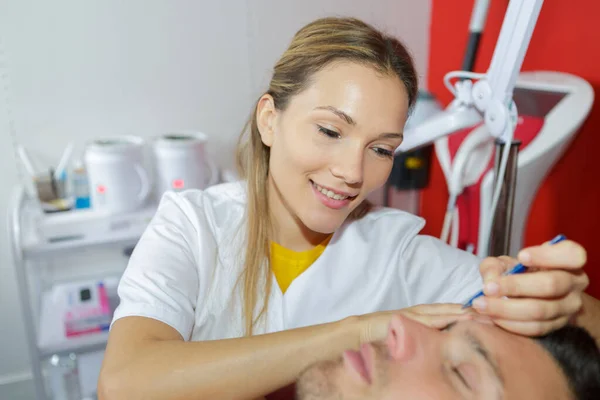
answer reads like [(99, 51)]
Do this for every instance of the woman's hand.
[(541, 300), (375, 326)]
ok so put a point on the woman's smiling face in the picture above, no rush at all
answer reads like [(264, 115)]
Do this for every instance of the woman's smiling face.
[(333, 144)]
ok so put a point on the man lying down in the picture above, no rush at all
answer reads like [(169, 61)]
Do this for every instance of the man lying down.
[(467, 360)]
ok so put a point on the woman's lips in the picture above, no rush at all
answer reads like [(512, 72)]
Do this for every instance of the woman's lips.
[(330, 202)]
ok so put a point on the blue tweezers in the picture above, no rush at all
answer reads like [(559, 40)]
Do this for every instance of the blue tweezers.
[(518, 269)]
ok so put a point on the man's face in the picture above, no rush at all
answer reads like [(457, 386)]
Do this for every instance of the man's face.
[(469, 360)]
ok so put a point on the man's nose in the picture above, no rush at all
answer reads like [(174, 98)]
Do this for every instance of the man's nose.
[(349, 165), (404, 337)]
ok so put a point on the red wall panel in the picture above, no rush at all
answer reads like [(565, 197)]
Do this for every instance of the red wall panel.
[(566, 38)]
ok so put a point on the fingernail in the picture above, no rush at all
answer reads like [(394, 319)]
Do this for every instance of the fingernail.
[(524, 256), (491, 288), (480, 303)]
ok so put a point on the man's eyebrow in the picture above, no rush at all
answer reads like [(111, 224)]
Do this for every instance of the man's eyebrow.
[(450, 325), (479, 348), (339, 113)]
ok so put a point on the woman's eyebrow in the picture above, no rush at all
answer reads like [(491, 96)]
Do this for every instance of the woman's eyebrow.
[(348, 119), (391, 136)]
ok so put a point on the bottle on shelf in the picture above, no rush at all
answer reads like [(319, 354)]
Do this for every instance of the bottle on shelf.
[(64, 377), (81, 188)]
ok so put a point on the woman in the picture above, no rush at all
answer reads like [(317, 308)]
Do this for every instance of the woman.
[(233, 291)]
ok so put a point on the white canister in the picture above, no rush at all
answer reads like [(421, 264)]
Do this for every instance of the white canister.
[(118, 181), (181, 162)]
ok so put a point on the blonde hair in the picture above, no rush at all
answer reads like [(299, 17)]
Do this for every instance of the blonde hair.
[(312, 48)]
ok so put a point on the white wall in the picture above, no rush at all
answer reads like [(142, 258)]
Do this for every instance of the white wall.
[(75, 70), (407, 20)]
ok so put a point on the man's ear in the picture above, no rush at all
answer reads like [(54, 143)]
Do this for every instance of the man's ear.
[(265, 119)]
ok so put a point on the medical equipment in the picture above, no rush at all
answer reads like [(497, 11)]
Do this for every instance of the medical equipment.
[(473, 154), (181, 162), (76, 312), (411, 171), (118, 180), (88, 310), (552, 106), (490, 100), (469, 163), (517, 269), (491, 94)]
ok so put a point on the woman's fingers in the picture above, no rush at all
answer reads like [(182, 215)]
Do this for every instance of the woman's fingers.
[(542, 300), (438, 316), (493, 267), (437, 309), (532, 328), (375, 326), (542, 284), (438, 321), (565, 255), (528, 309)]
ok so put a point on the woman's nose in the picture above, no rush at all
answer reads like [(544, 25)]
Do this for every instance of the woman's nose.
[(349, 168), (404, 336)]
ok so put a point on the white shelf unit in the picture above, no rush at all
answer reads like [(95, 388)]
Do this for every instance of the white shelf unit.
[(51, 252)]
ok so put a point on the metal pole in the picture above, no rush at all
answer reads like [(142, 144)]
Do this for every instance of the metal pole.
[(24, 292), (478, 17), (502, 223)]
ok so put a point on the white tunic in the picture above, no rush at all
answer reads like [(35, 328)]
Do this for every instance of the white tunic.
[(185, 267)]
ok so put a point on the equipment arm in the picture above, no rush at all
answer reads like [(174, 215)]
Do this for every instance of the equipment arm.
[(492, 93)]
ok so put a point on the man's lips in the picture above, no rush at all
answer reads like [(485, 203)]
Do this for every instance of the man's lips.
[(361, 362)]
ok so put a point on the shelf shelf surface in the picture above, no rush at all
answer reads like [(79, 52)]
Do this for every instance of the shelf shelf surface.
[(53, 234)]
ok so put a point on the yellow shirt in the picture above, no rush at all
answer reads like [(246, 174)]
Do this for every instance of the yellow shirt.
[(287, 264)]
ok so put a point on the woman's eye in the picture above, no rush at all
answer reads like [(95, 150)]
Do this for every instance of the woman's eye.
[(328, 132), (384, 152)]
